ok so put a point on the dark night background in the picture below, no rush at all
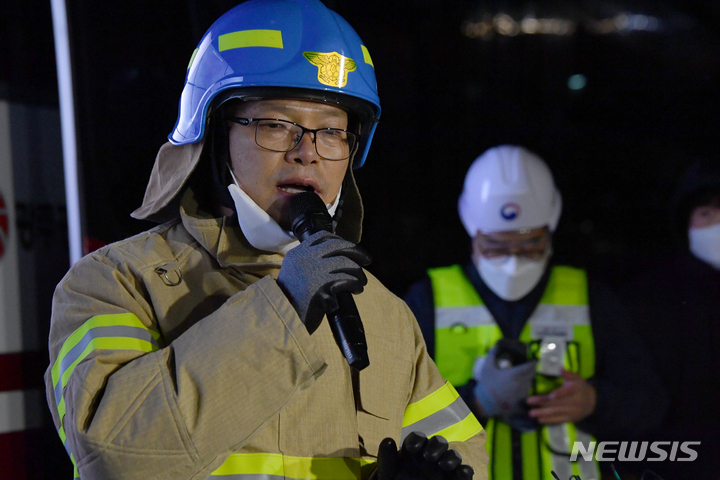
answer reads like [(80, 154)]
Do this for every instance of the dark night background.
[(615, 146), (455, 78)]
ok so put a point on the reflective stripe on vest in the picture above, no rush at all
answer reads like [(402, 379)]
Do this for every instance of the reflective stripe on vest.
[(122, 331), (465, 330)]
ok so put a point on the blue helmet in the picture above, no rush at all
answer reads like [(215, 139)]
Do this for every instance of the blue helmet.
[(280, 49)]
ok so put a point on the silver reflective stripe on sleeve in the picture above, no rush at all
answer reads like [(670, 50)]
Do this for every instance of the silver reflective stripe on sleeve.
[(448, 416), (76, 352)]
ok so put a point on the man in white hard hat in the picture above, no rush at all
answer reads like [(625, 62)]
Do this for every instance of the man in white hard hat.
[(514, 333)]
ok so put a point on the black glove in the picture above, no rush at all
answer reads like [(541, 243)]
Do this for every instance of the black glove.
[(317, 269), (420, 459)]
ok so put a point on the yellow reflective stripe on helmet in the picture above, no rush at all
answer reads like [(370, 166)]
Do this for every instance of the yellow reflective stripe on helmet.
[(267, 465), (250, 38), (366, 56), (442, 412), (192, 59)]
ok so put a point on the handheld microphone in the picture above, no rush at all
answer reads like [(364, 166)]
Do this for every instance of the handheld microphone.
[(309, 216)]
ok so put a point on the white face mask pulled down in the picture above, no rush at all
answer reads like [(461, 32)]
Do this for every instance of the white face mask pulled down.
[(705, 244), (260, 229), (511, 277)]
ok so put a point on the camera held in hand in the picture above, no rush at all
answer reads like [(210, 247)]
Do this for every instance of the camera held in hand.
[(510, 352)]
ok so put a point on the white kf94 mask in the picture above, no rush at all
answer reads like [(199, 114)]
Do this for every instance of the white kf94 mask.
[(705, 244), (511, 277)]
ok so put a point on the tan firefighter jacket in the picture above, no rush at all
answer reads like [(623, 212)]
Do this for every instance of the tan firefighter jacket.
[(175, 355)]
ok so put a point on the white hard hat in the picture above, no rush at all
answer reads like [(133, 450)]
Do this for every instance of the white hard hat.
[(509, 188)]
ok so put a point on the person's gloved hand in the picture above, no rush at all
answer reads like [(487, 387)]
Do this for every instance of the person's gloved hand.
[(316, 270), (420, 459), (502, 391)]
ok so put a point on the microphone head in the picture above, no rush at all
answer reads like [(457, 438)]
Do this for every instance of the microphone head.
[(308, 215)]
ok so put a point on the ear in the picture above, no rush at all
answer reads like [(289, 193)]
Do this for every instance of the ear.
[(219, 156)]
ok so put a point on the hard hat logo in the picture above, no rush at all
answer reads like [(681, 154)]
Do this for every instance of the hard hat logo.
[(333, 68), (510, 211), (508, 188)]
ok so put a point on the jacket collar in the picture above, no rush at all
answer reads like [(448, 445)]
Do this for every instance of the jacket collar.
[(223, 238)]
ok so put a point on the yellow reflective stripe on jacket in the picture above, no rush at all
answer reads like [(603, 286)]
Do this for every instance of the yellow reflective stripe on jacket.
[(442, 412), (270, 466), (122, 331), (250, 38)]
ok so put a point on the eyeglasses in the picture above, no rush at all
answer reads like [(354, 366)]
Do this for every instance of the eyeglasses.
[(495, 245), (282, 136)]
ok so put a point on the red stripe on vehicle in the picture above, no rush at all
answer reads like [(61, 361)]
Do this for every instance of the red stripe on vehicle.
[(13, 455), (22, 371)]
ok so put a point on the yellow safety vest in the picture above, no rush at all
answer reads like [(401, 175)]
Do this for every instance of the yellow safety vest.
[(465, 330)]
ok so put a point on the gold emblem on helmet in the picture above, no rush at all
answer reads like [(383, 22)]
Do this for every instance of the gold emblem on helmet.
[(333, 68)]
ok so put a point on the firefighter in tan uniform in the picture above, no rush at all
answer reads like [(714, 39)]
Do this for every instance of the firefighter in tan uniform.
[(199, 349)]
